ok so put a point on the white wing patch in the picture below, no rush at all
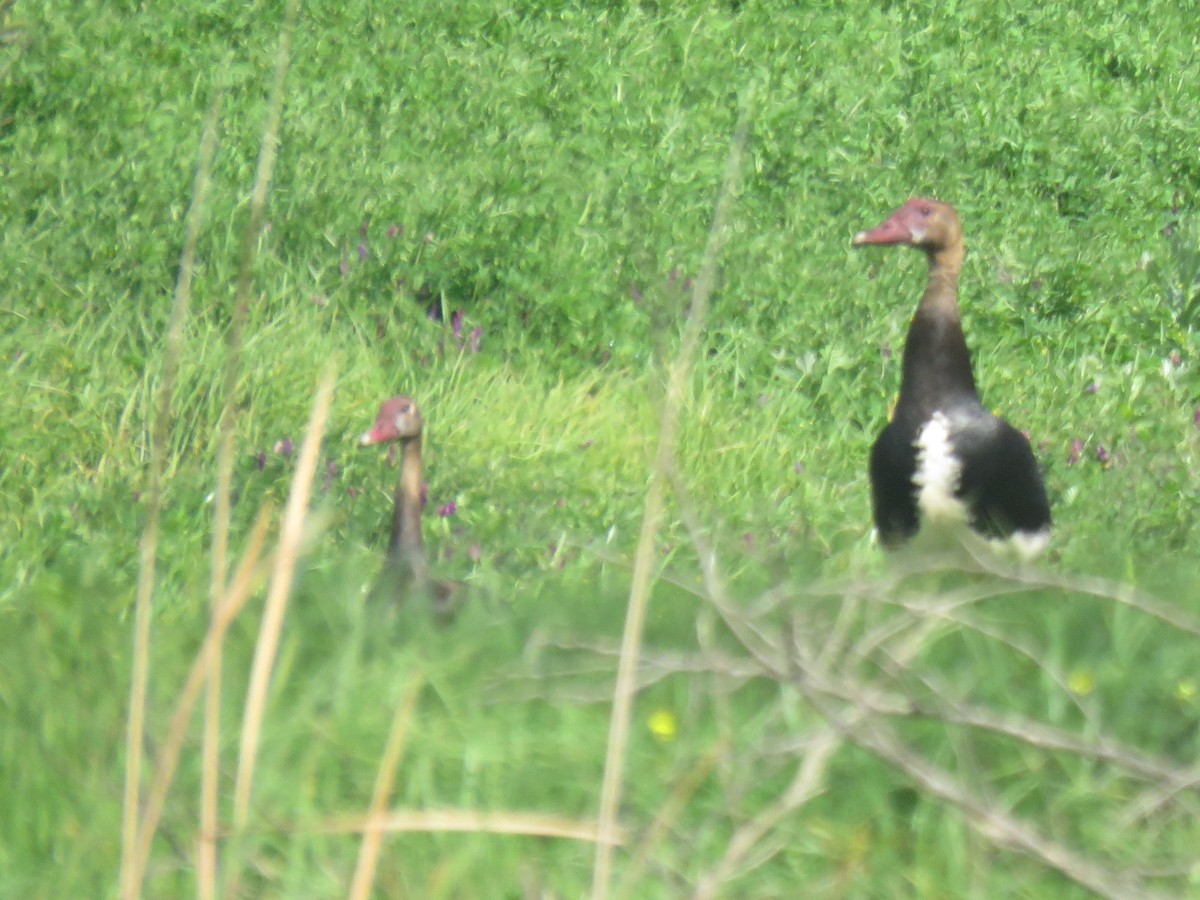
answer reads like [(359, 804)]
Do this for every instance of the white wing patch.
[(1029, 544), (937, 475)]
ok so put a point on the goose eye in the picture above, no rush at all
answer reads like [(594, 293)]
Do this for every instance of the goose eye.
[(926, 210)]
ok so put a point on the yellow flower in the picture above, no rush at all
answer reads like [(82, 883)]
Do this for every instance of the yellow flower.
[(1185, 690), (1081, 682), (663, 725)]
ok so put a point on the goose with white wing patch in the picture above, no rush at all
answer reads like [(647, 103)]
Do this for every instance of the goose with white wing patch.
[(944, 461)]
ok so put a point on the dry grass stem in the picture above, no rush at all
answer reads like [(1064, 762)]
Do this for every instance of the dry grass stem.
[(368, 853), (268, 148), (639, 592), (248, 576), (290, 537), (468, 821), (159, 435)]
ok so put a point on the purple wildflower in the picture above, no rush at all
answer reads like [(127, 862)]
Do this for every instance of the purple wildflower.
[(456, 324), (476, 339), (886, 351), (362, 251), (1076, 452), (1103, 455), (448, 510), (1093, 387), (424, 493), (285, 447), (260, 461), (798, 468), (395, 231)]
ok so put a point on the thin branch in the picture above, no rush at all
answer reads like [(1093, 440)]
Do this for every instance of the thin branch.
[(985, 814), (807, 784), (668, 815)]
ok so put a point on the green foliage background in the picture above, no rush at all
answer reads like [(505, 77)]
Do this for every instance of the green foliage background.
[(550, 171)]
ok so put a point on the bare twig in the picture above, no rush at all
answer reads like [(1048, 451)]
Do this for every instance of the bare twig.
[(862, 725), (807, 784), (1124, 594), (985, 814)]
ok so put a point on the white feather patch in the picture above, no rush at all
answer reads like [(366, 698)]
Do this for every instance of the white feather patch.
[(937, 474), (1029, 544)]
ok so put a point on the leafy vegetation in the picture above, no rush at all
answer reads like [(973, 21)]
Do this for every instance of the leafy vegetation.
[(501, 211)]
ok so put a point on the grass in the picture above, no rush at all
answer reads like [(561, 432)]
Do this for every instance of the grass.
[(552, 174)]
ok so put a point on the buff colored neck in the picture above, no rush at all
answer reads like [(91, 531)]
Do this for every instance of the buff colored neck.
[(406, 544), (941, 291)]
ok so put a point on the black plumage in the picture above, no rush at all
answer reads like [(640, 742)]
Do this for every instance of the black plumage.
[(944, 458)]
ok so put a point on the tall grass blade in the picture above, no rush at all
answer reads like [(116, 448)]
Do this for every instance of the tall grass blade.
[(271, 626), (368, 853), (639, 593), (149, 545), (248, 576), (268, 148)]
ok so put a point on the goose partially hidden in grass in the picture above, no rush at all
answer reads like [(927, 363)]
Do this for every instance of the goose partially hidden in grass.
[(406, 571), (944, 460)]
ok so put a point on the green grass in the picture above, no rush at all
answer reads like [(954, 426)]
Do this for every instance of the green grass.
[(552, 172)]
